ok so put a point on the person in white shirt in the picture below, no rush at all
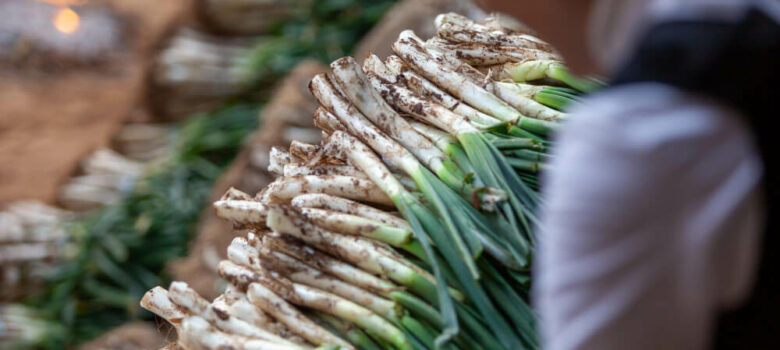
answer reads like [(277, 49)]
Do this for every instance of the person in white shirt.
[(654, 204)]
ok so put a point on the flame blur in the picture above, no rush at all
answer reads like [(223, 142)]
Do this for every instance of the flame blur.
[(66, 20)]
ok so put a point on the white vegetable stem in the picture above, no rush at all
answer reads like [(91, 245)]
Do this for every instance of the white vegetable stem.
[(454, 27), (307, 296), (479, 55), (326, 263), (184, 296), (303, 150), (276, 306), (324, 201), (286, 188), (244, 212), (278, 157), (504, 91), (298, 169), (353, 84), (239, 307), (299, 272), (156, 300), (411, 50), (197, 333), (393, 154), (327, 121), (422, 109), (364, 253), (426, 88), (356, 225), (263, 258)]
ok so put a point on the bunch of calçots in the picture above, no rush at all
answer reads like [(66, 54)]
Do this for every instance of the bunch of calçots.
[(411, 225)]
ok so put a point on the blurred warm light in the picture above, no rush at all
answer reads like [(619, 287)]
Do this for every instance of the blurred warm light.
[(66, 20), (65, 2)]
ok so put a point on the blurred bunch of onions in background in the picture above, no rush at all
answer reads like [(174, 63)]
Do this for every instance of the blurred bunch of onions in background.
[(246, 17), (32, 239), (34, 235), (197, 72)]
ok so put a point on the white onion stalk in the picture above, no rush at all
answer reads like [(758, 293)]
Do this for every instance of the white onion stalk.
[(447, 240), (527, 71), (156, 300), (454, 27), (479, 55), (320, 155), (363, 253), (241, 252), (301, 273), (439, 137), (245, 213), (395, 156), (184, 296), (347, 310), (415, 105), (548, 68), (529, 90), (451, 61), (303, 150), (324, 201), (330, 155), (383, 80), (356, 124), (286, 188), (276, 306), (197, 333), (361, 156), (353, 84), (449, 145), (366, 254), (303, 295), (278, 157), (233, 193), (333, 304), (433, 113), (428, 89), (516, 97), (356, 225), (327, 121), (350, 274), (504, 91), (326, 263), (298, 169), (392, 153), (410, 48), (238, 306), (368, 100)]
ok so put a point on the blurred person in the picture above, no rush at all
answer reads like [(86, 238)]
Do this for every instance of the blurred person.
[(659, 229)]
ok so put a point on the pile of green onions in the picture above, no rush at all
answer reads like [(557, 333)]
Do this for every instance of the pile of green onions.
[(410, 225)]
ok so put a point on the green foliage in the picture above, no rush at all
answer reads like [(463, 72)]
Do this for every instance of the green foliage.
[(321, 29)]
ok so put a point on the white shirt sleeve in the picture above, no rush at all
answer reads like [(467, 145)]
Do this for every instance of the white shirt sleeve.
[(650, 222)]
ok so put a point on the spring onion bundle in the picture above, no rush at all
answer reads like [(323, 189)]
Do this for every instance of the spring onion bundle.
[(411, 225)]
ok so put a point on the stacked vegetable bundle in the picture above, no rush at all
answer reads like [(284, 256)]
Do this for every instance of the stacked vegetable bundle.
[(435, 134)]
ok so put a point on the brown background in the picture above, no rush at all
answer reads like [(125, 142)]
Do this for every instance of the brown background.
[(49, 121)]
